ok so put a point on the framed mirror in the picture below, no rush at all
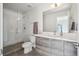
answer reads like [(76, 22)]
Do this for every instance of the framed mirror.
[(55, 20)]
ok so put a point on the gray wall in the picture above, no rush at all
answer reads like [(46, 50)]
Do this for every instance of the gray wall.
[(34, 15)]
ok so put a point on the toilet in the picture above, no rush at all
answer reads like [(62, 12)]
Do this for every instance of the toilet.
[(28, 45)]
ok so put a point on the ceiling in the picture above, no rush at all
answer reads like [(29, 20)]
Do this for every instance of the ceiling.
[(21, 7)]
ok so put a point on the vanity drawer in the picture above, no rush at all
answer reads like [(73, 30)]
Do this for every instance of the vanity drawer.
[(44, 44), (43, 41), (42, 53), (43, 49)]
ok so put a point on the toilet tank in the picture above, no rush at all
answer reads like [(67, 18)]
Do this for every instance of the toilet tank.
[(32, 39)]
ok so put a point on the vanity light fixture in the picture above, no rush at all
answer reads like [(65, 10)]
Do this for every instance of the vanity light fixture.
[(55, 5)]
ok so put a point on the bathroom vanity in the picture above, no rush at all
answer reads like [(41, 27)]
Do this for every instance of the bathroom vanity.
[(61, 22), (55, 46)]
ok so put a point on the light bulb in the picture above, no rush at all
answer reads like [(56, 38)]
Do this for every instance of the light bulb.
[(54, 5)]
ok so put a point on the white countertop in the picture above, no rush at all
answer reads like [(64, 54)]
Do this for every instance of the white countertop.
[(56, 37)]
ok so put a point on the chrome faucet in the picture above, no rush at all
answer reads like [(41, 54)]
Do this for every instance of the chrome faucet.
[(61, 32)]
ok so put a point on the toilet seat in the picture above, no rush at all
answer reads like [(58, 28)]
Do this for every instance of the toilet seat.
[(26, 44)]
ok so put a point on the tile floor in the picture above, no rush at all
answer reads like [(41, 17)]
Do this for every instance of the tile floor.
[(21, 53)]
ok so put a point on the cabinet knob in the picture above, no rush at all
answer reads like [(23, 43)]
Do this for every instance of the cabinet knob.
[(76, 45)]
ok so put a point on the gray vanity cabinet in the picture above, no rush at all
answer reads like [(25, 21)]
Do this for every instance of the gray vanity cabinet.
[(57, 47), (43, 45), (53, 47), (70, 49)]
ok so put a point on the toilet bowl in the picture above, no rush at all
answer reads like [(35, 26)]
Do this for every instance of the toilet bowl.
[(28, 45)]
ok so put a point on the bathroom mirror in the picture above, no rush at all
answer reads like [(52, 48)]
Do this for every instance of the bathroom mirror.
[(59, 19)]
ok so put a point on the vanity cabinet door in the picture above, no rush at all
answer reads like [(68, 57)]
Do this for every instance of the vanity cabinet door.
[(57, 47), (69, 49)]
